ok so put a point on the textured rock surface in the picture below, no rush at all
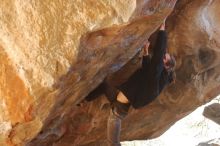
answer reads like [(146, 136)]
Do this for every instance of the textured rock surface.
[(213, 142), (212, 112), (193, 38), (50, 59), (53, 53)]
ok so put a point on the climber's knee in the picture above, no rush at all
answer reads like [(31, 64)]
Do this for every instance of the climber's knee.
[(122, 98), (120, 109)]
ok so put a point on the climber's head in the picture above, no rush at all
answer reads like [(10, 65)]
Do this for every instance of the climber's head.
[(169, 64)]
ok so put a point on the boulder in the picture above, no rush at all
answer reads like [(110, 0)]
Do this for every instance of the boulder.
[(212, 112), (54, 53)]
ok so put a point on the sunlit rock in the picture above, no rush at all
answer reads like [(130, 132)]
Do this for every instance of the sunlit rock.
[(53, 53)]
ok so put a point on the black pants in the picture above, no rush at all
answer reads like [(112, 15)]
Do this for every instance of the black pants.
[(117, 113)]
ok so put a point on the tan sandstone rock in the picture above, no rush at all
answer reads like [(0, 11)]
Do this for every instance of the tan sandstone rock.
[(46, 67), (193, 39), (53, 53)]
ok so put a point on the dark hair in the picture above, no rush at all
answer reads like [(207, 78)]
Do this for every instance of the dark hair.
[(171, 76), (171, 70)]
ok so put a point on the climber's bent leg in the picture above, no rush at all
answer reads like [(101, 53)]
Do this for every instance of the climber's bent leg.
[(113, 130), (117, 113)]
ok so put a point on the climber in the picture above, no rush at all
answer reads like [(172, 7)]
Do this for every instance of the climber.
[(143, 86)]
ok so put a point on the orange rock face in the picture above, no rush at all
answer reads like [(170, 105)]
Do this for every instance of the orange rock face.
[(193, 39), (16, 101), (54, 53)]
